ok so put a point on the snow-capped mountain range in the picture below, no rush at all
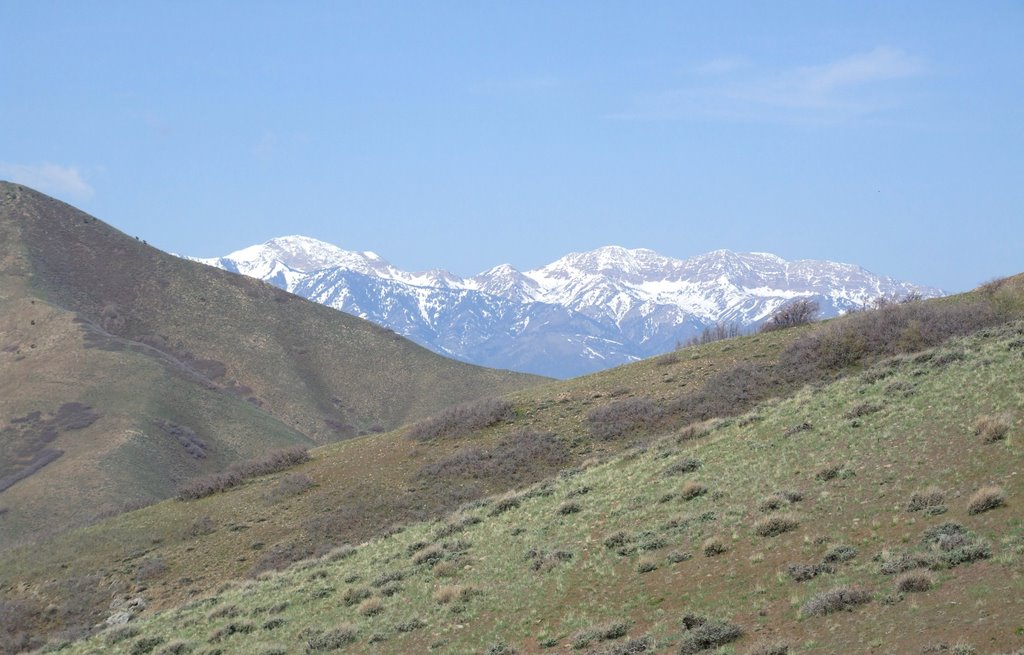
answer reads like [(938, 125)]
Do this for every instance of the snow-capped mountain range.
[(582, 313)]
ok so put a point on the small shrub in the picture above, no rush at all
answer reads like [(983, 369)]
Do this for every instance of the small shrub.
[(829, 472), (692, 490), (677, 556), (569, 508), (515, 457), (667, 359), (646, 565), (446, 569), (225, 612), (389, 590), (290, 485), (176, 647), (355, 595), (371, 607), (704, 633), (684, 465), (797, 429), (914, 582), (412, 624), (274, 623), (839, 553), (713, 546), (451, 593), (201, 527), (281, 556), (622, 417), (235, 627), (500, 648), (992, 428), (796, 312), (385, 578), (120, 633), (771, 526), (430, 555), (629, 647), (604, 632), (927, 501), (506, 503), (769, 648), (898, 561), (835, 600), (985, 499), (543, 560), (145, 645), (462, 419), (805, 572), (151, 567), (332, 639), (339, 553), (693, 431), (863, 409), (272, 462), (616, 540)]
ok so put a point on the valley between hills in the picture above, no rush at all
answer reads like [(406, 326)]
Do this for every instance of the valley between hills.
[(849, 485)]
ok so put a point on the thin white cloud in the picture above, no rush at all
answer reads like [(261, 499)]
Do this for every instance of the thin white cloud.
[(828, 85), (835, 91), (49, 178)]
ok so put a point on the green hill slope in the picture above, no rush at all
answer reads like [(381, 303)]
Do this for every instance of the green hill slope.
[(125, 371), (845, 518), (363, 487)]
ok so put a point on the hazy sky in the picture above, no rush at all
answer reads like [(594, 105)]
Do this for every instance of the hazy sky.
[(466, 134)]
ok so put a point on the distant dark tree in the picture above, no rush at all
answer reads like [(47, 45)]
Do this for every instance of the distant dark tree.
[(799, 312)]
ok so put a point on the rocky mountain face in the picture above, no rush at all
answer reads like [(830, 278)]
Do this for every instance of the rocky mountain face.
[(582, 313)]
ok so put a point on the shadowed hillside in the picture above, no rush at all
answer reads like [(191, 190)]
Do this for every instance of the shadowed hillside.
[(125, 371)]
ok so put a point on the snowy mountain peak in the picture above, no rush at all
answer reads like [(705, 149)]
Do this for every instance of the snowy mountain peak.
[(613, 261), (584, 312), (302, 253)]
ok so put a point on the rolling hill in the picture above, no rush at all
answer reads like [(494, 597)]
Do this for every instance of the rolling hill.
[(125, 371), (730, 481)]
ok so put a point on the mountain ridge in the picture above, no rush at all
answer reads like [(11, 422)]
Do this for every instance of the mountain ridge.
[(637, 301)]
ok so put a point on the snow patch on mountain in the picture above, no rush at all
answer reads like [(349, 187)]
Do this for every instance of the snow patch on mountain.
[(583, 312)]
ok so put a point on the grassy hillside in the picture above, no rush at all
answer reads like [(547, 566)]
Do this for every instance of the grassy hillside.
[(354, 490), (878, 513), (125, 371)]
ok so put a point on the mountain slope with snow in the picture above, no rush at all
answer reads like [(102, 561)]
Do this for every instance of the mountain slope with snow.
[(584, 312)]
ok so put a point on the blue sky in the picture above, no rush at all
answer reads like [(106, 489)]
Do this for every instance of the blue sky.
[(466, 134)]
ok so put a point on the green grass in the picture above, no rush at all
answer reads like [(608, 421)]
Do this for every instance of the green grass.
[(546, 577)]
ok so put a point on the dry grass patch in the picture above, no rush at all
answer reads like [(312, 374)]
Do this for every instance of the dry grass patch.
[(915, 581), (992, 428), (692, 490), (371, 607), (985, 499), (452, 593), (772, 526)]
